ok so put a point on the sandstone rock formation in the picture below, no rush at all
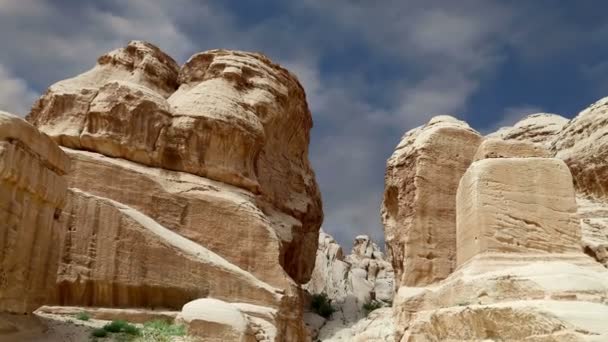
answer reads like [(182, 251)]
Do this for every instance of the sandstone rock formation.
[(32, 195), (537, 128), (350, 282), (521, 273), (581, 144), (229, 116), (516, 205), (185, 183), (498, 148), (419, 207)]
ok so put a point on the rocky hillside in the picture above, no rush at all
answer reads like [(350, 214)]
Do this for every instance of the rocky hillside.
[(145, 184)]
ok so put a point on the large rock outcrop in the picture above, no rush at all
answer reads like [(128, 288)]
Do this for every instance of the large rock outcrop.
[(229, 116), (185, 183), (419, 206), (521, 272), (32, 195)]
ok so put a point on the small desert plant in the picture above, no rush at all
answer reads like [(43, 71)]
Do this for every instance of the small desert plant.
[(120, 326), (321, 305), (83, 316), (161, 331), (371, 306), (99, 332), (115, 326)]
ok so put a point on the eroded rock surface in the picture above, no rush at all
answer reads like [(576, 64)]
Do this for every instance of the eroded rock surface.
[(540, 128), (229, 116), (419, 206), (582, 145), (351, 281), (516, 205), (522, 273), (32, 195), (185, 183)]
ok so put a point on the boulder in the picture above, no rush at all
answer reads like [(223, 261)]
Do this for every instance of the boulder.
[(215, 321), (32, 195), (516, 205), (419, 205)]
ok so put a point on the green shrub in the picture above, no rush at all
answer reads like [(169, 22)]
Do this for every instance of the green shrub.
[(99, 332), (371, 306), (83, 316), (161, 331), (120, 326), (131, 330), (115, 326), (321, 305)]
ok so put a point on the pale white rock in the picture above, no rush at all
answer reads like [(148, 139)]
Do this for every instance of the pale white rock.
[(215, 321), (350, 282), (516, 205), (376, 327), (539, 128), (555, 297), (419, 205)]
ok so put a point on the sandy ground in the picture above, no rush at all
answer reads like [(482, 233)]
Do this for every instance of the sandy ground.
[(59, 324)]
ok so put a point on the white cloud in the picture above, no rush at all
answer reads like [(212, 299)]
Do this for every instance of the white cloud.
[(15, 96)]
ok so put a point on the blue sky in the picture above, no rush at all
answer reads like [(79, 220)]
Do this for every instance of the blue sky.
[(372, 70)]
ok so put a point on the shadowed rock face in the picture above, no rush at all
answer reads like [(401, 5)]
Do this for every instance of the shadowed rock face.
[(229, 116)]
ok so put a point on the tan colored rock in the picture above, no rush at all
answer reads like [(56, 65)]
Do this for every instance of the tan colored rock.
[(216, 321), (209, 213), (498, 148), (116, 256), (582, 145), (516, 205), (419, 206), (237, 118), (32, 195), (540, 128)]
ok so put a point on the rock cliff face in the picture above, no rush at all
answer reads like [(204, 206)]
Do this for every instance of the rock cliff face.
[(32, 195), (228, 116), (419, 206), (171, 184)]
